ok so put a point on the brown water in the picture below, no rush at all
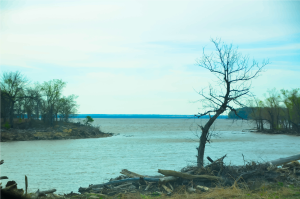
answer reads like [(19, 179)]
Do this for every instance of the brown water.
[(142, 146)]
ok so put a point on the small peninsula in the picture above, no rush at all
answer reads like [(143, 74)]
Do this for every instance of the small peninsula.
[(29, 129)]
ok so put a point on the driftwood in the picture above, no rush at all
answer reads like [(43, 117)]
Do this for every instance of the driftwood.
[(272, 164), (167, 179), (186, 175), (202, 188), (281, 161), (3, 177), (148, 186), (167, 189), (48, 191), (39, 193), (245, 175), (26, 184), (13, 186), (191, 189), (130, 174), (123, 185), (209, 159), (82, 189)]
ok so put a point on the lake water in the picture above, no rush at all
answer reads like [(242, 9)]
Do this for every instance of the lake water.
[(142, 146)]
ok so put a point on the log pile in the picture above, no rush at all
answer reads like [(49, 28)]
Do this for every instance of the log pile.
[(193, 179)]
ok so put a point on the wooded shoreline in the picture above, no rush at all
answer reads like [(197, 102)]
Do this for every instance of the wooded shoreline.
[(60, 131)]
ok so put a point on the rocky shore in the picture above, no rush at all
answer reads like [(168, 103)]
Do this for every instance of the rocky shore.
[(59, 131)]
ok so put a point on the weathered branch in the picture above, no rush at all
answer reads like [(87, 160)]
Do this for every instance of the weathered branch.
[(282, 161), (11, 186), (130, 174), (3, 177), (186, 175), (82, 189), (42, 193)]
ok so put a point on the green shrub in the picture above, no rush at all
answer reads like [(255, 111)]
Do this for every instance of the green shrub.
[(88, 120)]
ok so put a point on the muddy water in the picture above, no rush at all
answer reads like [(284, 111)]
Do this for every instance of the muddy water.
[(142, 146)]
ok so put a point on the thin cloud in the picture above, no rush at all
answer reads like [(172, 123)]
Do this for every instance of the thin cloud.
[(142, 52)]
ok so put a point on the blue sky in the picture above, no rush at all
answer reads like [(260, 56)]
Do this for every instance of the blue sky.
[(139, 57)]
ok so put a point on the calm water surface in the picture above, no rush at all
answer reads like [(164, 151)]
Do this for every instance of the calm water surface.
[(142, 146)]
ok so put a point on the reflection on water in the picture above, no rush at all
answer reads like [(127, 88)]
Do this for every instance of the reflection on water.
[(143, 146)]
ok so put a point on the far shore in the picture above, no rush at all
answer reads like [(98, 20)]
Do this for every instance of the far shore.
[(36, 130)]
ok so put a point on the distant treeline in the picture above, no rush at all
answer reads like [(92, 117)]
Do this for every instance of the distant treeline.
[(44, 100), (148, 116), (279, 110)]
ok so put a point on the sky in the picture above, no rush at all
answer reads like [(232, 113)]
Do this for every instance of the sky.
[(140, 57)]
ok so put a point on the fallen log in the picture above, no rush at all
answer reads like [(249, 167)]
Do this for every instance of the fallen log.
[(47, 191), (3, 177), (168, 190), (122, 185), (130, 174), (148, 186), (39, 193), (82, 189), (187, 176), (167, 179), (281, 161)]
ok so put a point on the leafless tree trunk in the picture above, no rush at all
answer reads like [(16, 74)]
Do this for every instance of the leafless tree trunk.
[(234, 74), (12, 83)]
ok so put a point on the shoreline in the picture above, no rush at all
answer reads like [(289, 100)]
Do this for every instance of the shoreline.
[(60, 131), (281, 177), (278, 132)]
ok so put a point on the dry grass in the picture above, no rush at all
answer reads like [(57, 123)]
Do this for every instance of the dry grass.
[(265, 192), (274, 191)]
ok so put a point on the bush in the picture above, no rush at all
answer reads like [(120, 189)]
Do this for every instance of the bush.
[(88, 120)]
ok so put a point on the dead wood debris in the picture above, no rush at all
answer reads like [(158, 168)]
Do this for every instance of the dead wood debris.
[(190, 179), (194, 179)]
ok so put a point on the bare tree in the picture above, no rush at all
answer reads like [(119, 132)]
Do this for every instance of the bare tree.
[(68, 107), (234, 74), (256, 107), (51, 91), (292, 103), (12, 84), (273, 109)]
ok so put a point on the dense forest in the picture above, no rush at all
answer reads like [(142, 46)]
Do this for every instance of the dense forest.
[(280, 110), (21, 99)]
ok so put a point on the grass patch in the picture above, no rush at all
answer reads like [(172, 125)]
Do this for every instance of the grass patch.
[(276, 191)]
